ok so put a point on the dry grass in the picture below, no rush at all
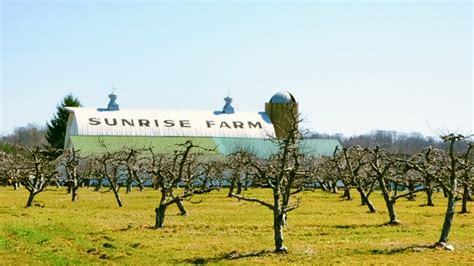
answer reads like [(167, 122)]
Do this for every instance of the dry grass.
[(324, 230)]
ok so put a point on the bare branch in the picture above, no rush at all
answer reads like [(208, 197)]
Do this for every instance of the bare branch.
[(268, 205)]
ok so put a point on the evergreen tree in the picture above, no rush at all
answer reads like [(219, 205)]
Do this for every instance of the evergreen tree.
[(57, 126)]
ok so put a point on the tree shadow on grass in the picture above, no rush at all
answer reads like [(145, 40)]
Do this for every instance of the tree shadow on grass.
[(426, 205), (234, 255), (355, 226), (398, 250)]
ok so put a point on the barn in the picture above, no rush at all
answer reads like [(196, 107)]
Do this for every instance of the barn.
[(97, 130)]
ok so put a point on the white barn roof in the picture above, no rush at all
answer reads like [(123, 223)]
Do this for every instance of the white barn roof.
[(90, 122)]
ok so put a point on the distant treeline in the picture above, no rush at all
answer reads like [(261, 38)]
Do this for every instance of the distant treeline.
[(29, 136), (392, 141)]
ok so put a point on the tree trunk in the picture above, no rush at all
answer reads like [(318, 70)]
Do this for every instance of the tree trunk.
[(469, 196), (246, 186), (363, 198), (323, 186), (347, 193), (129, 187), (429, 193), (392, 214), (334, 188), (231, 189), (30, 199), (388, 202), (448, 220), (239, 187), (160, 216), (141, 185), (445, 194), (371, 206), (204, 183), (117, 197), (181, 207), (278, 222), (465, 198), (116, 193), (74, 193), (411, 188), (365, 201)]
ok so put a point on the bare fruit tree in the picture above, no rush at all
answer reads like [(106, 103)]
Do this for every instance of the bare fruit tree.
[(354, 167), (184, 170), (326, 174), (74, 167), (133, 164), (421, 162), (10, 170), (37, 169), (390, 174), (467, 177), (212, 174), (286, 176), (112, 168), (452, 168), (236, 172)]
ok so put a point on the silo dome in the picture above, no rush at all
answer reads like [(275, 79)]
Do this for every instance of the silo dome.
[(283, 97)]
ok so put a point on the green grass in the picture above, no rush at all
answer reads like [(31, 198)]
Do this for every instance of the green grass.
[(324, 230)]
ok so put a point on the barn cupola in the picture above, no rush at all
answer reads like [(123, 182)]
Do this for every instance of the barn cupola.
[(112, 106), (228, 108)]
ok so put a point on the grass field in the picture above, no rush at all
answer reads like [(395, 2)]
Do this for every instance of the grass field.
[(324, 230)]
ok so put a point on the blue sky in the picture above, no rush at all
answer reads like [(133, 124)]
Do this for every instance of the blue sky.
[(353, 66)]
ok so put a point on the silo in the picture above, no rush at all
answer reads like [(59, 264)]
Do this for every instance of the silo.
[(283, 112)]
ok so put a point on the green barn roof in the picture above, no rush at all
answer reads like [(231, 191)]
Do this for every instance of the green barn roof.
[(320, 147), (88, 145), (263, 148)]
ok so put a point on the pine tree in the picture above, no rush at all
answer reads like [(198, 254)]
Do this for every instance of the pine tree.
[(57, 126)]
